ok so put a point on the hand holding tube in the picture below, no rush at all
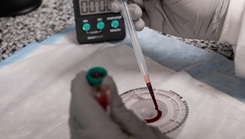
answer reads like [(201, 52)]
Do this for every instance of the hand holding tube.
[(89, 120)]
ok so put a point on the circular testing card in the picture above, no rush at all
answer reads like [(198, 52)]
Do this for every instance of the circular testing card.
[(174, 109)]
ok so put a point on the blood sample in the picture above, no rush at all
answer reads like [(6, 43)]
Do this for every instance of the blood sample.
[(102, 96), (159, 113), (101, 92), (97, 75)]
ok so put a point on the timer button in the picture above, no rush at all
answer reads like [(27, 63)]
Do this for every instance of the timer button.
[(86, 27), (100, 25), (114, 24)]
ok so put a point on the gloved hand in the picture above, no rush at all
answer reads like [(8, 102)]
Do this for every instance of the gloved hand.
[(194, 19), (88, 120)]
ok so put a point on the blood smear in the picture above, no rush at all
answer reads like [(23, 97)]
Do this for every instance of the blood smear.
[(159, 113)]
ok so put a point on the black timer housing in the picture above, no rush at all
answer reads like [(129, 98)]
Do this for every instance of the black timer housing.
[(96, 23)]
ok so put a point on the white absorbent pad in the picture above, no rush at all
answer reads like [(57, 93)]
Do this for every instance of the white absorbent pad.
[(35, 91)]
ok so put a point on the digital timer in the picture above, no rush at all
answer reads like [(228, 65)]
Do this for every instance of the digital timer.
[(96, 23)]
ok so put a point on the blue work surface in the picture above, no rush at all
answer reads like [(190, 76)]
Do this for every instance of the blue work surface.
[(208, 67)]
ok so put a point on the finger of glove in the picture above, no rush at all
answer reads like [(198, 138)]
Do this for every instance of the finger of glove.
[(130, 123), (135, 11), (115, 6), (139, 24), (83, 107), (108, 81)]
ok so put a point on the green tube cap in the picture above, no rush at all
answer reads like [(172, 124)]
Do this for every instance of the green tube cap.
[(95, 76)]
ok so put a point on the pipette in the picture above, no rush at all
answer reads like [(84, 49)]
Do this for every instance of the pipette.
[(139, 56)]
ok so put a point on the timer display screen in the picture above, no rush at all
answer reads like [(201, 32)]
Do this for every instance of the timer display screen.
[(88, 7)]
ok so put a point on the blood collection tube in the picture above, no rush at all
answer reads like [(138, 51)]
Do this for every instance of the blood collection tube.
[(100, 91)]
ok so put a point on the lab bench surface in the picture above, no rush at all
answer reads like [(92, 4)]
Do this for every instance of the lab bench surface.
[(54, 16)]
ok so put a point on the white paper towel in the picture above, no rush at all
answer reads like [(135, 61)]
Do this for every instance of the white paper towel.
[(35, 92)]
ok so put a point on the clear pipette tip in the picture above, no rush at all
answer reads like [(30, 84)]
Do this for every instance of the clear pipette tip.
[(139, 56), (135, 42)]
